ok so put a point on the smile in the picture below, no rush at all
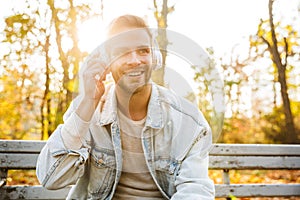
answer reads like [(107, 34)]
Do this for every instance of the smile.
[(135, 73)]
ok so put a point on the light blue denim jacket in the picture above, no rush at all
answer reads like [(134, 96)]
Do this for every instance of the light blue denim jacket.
[(175, 140)]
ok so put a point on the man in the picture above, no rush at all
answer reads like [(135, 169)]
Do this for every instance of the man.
[(143, 142)]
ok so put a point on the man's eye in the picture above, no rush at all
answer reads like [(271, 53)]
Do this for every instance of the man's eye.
[(144, 51)]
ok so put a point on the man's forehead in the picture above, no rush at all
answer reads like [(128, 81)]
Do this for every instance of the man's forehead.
[(129, 39)]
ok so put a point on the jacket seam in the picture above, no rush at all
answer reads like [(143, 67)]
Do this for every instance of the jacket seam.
[(183, 112), (52, 169)]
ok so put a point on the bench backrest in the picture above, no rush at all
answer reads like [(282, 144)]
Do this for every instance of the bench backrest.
[(19, 154)]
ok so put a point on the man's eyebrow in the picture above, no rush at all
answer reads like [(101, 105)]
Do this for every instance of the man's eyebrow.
[(143, 46), (128, 49), (120, 49)]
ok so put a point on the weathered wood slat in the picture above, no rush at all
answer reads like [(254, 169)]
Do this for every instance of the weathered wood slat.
[(32, 192), (27, 146), (257, 190), (254, 162), (18, 161), (256, 149), (222, 190), (218, 149), (28, 161)]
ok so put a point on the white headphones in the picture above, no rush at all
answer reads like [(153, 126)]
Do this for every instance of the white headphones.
[(156, 54)]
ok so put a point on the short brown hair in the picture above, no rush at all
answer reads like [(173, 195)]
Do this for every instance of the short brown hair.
[(126, 21)]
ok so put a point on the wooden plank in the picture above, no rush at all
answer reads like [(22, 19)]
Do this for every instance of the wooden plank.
[(218, 149), (254, 162), (28, 161), (257, 190), (18, 161), (222, 190), (32, 192), (255, 149), (21, 146)]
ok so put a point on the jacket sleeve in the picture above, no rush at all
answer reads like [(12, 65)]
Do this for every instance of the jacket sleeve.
[(192, 181), (62, 159)]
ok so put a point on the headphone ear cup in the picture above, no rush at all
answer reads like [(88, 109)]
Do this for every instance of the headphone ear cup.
[(156, 56)]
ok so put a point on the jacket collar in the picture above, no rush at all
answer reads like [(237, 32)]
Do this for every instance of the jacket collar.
[(109, 111), (154, 116), (155, 111)]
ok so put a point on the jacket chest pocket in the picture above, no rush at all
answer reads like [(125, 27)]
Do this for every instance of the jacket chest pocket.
[(166, 172), (102, 173)]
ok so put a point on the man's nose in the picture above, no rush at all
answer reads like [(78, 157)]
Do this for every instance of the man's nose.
[(133, 58)]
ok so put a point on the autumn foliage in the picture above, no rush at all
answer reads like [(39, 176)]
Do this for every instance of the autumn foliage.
[(40, 59)]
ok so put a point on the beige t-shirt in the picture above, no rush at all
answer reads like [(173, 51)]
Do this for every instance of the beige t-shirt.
[(135, 181)]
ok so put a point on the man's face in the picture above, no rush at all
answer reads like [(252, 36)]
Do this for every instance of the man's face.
[(131, 59)]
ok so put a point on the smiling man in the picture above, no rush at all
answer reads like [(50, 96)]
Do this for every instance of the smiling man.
[(144, 143)]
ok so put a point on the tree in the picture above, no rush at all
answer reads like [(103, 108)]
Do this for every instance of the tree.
[(40, 32), (20, 95), (211, 94), (236, 80), (161, 16), (63, 24), (270, 37)]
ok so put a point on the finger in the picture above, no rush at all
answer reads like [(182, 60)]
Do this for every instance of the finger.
[(100, 80), (98, 52), (101, 76), (93, 74), (104, 73), (100, 87), (94, 70)]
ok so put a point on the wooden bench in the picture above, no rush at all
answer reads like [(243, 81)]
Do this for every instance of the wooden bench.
[(23, 155)]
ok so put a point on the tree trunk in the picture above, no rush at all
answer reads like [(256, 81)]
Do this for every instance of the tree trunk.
[(273, 48), (68, 59), (75, 54), (45, 106), (62, 105), (161, 18)]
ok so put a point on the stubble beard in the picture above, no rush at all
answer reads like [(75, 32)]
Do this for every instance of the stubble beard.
[(130, 86)]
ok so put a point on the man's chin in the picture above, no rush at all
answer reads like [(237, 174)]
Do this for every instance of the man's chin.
[(134, 87)]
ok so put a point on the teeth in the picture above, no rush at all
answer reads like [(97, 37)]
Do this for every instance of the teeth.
[(134, 73)]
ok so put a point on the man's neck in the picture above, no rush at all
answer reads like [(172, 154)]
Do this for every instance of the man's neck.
[(134, 105)]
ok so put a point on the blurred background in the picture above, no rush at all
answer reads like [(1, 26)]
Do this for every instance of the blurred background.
[(254, 44)]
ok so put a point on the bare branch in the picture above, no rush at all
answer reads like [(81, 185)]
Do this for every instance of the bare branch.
[(286, 46)]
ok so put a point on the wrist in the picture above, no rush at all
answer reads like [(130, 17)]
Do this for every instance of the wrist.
[(90, 100), (86, 108)]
